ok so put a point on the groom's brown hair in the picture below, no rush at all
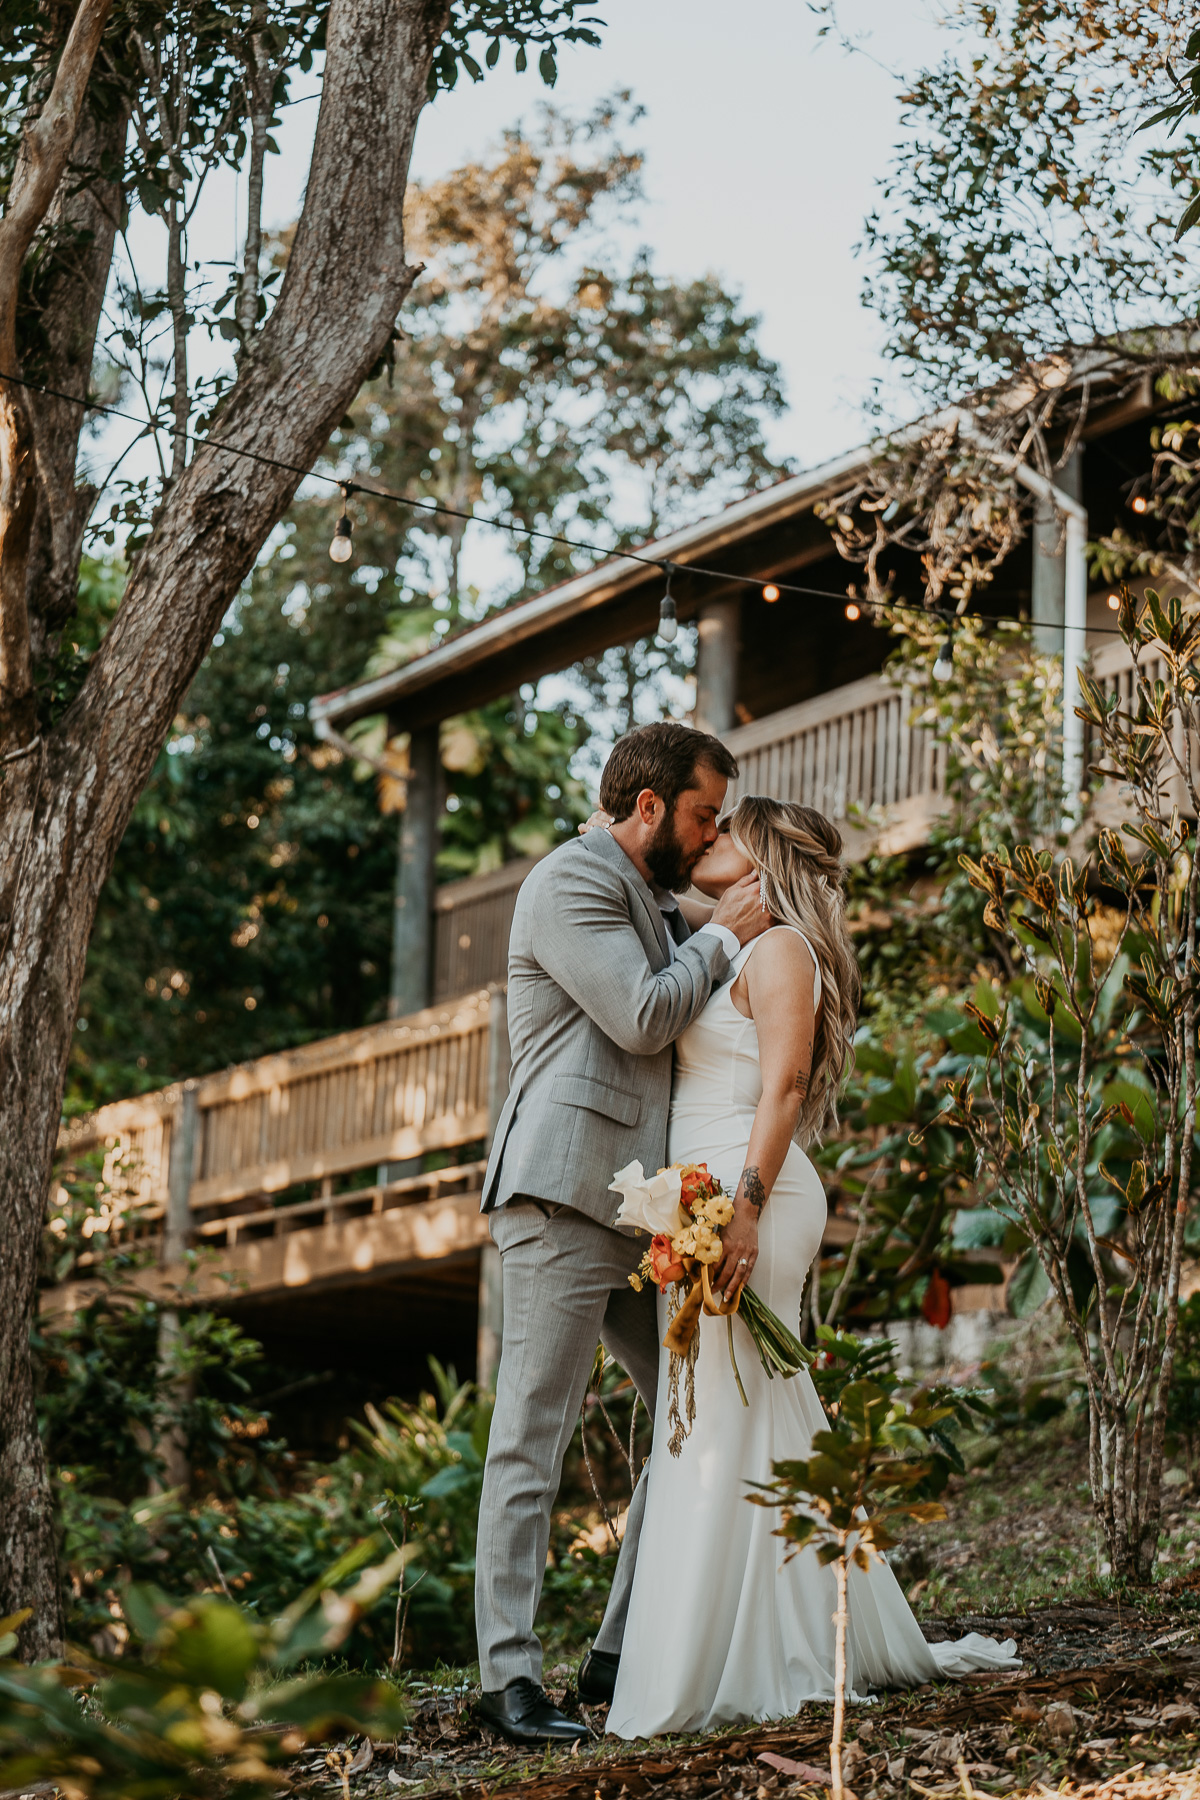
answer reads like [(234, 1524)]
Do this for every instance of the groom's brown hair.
[(664, 758)]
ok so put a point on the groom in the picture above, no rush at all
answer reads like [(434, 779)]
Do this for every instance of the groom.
[(603, 976)]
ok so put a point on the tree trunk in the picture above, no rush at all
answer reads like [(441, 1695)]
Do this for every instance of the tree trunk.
[(43, 149), (72, 297), (841, 1619), (65, 806)]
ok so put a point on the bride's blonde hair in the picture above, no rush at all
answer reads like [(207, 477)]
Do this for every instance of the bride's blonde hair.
[(798, 854)]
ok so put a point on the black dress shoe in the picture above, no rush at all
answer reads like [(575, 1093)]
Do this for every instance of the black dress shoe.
[(597, 1678), (523, 1714)]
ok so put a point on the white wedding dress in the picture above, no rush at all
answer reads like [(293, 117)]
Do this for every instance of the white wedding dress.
[(719, 1630)]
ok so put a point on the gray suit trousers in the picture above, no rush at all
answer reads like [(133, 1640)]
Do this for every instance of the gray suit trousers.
[(565, 1288)]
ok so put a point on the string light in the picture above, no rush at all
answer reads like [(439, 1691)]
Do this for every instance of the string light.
[(419, 504), (854, 611), (770, 593), (668, 624), (1114, 602), (342, 547), (1139, 503), (943, 668)]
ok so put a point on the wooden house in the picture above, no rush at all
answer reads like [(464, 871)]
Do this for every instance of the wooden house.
[(332, 1191)]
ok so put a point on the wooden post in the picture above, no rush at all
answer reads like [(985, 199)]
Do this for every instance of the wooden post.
[(180, 1171), (717, 666), (1049, 582), (171, 1439), (412, 927), (491, 1290)]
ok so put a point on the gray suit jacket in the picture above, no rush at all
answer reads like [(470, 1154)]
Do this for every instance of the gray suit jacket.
[(594, 1006)]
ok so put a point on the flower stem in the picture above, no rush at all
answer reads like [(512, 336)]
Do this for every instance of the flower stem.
[(733, 1360)]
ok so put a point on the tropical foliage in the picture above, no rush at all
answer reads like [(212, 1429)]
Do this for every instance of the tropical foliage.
[(1089, 1137), (208, 1704)]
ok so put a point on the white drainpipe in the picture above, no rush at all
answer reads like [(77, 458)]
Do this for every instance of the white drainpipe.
[(1074, 611)]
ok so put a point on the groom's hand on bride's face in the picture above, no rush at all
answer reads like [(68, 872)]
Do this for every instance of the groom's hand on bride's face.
[(740, 910)]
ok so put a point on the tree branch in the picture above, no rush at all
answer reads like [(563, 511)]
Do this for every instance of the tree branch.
[(41, 161)]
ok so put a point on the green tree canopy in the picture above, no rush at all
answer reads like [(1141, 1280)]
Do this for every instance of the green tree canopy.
[(541, 380)]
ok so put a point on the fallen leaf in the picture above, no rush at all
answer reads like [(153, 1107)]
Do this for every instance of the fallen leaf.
[(1059, 1719)]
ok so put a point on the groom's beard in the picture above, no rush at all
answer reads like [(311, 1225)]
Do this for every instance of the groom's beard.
[(668, 862)]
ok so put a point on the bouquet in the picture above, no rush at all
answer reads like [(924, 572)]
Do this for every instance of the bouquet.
[(684, 1209)]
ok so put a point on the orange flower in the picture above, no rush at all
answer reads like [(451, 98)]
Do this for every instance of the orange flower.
[(696, 1183), (665, 1266)]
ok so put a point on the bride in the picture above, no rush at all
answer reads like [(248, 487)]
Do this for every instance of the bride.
[(756, 1077)]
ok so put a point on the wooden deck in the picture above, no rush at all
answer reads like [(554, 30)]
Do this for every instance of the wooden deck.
[(285, 1169), (259, 1171)]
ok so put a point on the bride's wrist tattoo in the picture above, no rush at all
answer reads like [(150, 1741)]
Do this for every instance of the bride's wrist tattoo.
[(753, 1188)]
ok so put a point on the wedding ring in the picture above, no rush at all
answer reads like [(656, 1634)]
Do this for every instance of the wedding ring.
[(741, 1262)]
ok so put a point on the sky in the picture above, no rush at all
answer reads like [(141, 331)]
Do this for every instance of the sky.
[(763, 148)]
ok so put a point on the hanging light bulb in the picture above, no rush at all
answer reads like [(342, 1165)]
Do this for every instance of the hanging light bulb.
[(943, 668), (668, 624), (1139, 503), (853, 610), (770, 593), (342, 547)]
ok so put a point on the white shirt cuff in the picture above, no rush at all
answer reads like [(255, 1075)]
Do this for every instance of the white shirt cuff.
[(729, 942)]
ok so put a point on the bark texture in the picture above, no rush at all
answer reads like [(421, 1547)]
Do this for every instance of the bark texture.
[(66, 802), (40, 164)]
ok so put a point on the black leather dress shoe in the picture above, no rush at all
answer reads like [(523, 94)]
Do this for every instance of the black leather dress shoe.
[(597, 1677), (523, 1714)]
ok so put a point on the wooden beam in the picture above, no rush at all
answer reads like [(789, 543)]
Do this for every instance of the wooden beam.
[(717, 665), (412, 920), (344, 1252)]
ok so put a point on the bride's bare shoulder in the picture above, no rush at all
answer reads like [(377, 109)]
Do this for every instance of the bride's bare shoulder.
[(780, 956), (781, 968)]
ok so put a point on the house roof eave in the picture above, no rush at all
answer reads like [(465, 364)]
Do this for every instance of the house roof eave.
[(583, 592)]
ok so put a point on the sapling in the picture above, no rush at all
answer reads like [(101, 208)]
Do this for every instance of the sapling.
[(874, 1466)]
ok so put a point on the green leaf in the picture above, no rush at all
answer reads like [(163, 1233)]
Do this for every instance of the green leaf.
[(1028, 1286), (1189, 218), (217, 1649)]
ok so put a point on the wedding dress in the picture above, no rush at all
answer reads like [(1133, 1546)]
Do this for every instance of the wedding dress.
[(719, 1630)]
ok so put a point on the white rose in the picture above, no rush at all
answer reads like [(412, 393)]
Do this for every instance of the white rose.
[(648, 1205)]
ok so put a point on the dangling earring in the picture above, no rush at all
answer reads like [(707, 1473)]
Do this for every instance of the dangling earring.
[(762, 892)]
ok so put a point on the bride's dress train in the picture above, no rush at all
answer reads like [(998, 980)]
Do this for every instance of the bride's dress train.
[(719, 1630)]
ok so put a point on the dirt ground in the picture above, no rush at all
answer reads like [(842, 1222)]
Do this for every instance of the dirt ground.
[(1108, 1703)]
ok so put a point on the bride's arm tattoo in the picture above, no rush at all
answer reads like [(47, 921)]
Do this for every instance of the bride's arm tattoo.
[(753, 1188), (802, 1075)]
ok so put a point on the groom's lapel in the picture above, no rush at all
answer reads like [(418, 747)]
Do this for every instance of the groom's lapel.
[(601, 844)]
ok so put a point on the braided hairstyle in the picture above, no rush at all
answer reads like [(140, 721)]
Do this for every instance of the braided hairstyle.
[(798, 854)]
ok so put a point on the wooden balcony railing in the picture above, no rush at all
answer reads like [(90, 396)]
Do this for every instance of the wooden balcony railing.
[(472, 920), (850, 749), (306, 1118)]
